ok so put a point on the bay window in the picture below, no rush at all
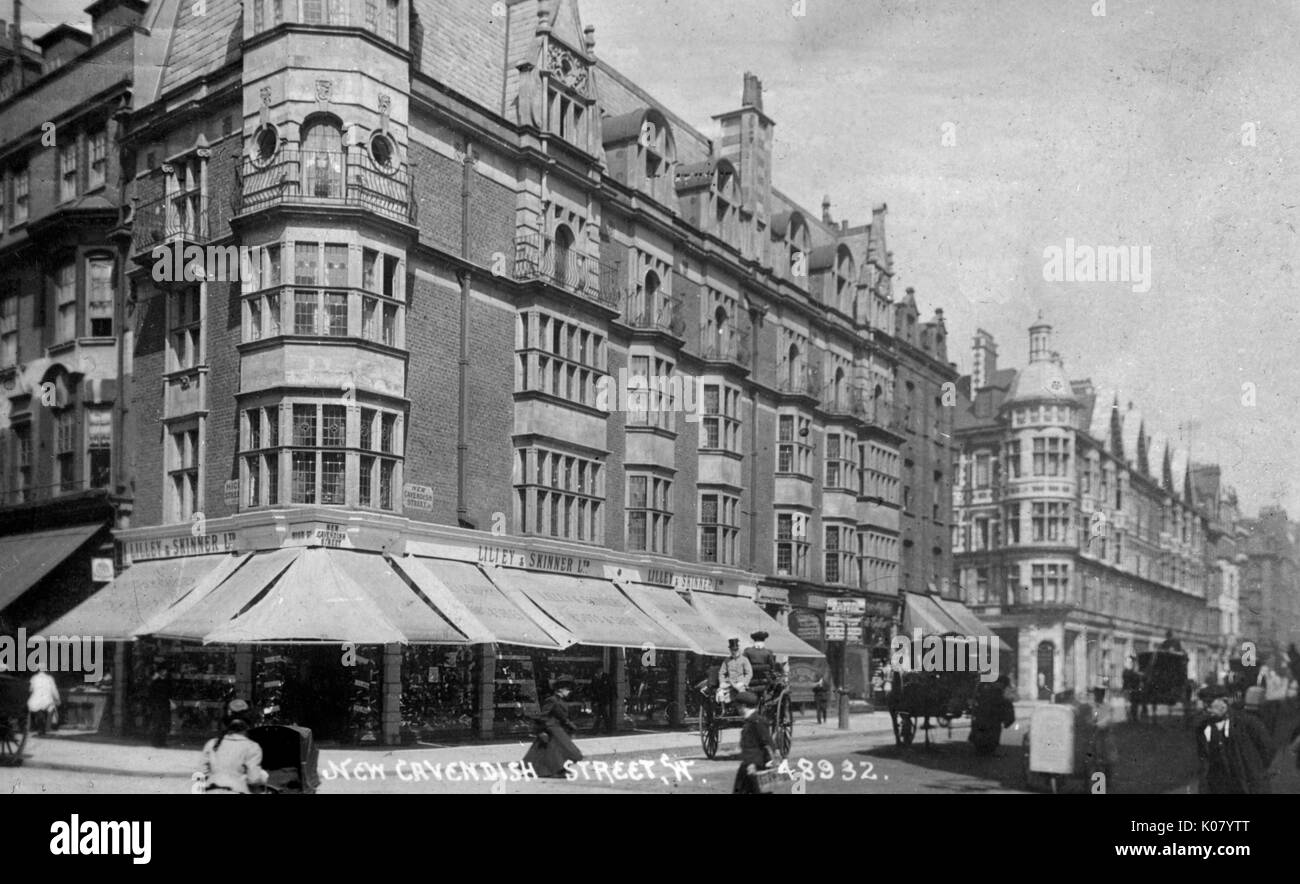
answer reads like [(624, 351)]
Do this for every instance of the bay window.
[(791, 544), (649, 513), (718, 527), (720, 424)]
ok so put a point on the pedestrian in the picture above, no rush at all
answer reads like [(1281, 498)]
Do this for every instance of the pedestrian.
[(1131, 682), (159, 699), (757, 750), (602, 694), (820, 691), (232, 762), (992, 712), (1170, 643), (552, 745), (43, 699), (1234, 749), (1275, 691)]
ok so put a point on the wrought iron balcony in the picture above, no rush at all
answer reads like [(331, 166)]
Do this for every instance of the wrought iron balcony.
[(798, 381), (326, 178), (178, 220), (726, 347), (539, 258), (654, 313)]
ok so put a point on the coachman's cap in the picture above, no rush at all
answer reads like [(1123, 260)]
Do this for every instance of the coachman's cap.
[(759, 636), (733, 642)]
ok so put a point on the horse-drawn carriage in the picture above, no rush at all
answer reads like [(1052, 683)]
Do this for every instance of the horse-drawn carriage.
[(942, 695), (1164, 681), (773, 704), (14, 720)]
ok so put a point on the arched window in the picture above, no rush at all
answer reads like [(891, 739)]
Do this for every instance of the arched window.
[(564, 272), (792, 367), (650, 294), (322, 156), (99, 294), (720, 331), (838, 389)]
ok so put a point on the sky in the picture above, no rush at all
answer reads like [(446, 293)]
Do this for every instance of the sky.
[(997, 129)]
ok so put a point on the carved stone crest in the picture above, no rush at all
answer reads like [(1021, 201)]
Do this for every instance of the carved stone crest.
[(324, 88), (385, 102), (265, 92), (566, 67)]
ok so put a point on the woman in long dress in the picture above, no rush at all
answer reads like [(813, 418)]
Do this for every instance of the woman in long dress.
[(757, 750), (553, 745)]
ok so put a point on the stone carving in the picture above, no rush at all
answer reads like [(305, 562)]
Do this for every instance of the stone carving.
[(324, 88), (265, 92), (566, 67), (385, 102)]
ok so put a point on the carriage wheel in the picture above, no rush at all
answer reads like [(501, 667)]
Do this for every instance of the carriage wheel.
[(783, 726), (13, 737), (906, 730), (708, 734)]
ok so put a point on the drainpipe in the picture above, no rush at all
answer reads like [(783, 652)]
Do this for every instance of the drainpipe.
[(462, 398), (754, 316)]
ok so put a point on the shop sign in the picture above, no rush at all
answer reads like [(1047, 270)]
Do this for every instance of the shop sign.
[(851, 607), (101, 570), (771, 595), (231, 497), (177, 547), (417, 497), (331, 534), (659, 577), (535, 561), (806, 625), (693, 583)]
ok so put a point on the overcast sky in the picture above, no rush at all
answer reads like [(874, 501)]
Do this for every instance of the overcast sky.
[(1117, 130)]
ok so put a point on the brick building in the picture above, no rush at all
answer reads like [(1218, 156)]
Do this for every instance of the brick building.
[(508, 338), (1078, 538)]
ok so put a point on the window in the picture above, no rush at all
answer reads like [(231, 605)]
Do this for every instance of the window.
[(378, 437), (560, 494), (839, 554), (791, 544), (186, 336), (652, 395), (65, 448), (841, 470), (793, 454), (1049, 583), (22, 182), (65, 300), (23, 461), (313, 12), (99, 446), (304, 312), (720, 426), (1013, 459), (99, 296), (649, 513), (718, 528), (8, 324), (183, 469), (1051, 456), (559, 358), (322, 157), (982, 470), (318, 462), (98, 146), (68, 170), (1051, 522)]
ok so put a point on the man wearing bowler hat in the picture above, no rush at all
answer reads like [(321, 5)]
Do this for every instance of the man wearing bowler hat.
[(1234, 749)]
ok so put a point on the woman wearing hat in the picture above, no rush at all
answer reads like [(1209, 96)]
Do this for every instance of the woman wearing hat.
[(232, 762), (552, 745), (756, 747)]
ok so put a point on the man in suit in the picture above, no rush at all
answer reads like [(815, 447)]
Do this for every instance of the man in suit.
[(735, 673), (1234, 749), (762, 661)]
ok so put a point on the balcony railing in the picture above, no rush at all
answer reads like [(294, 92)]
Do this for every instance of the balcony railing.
[(326, 178), (181, 218), (727, 347), (538, 257), (799, 380), (655, 314)]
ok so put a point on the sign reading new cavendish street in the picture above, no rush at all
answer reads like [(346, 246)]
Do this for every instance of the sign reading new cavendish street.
[(417, 497)]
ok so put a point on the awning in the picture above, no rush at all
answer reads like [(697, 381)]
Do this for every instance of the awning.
[(26, 558), (117, 610), (330, 595), (460, 592), (669, 608), (196, 594), (924, 614), (737, 617), (970, 623), (194, 618), (591, 609)]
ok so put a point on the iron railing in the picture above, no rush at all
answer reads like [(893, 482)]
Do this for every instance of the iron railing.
[(329, 178), (654, 313), (732, 347), (538, 257), (182, 217), (798, 380)]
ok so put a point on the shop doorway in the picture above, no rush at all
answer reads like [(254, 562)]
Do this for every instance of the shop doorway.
[(1046, 670), (322, 689)]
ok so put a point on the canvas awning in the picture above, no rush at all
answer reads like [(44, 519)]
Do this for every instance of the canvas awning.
[(669, 608), (968, 621), (591, 609), (147, 588), (477, 607), (923, 613), (336, 596), (25, 559), (738, 617), (193, 617)]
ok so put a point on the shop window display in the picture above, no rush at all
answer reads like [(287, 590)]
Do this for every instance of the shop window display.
[(203, 681), (650, 687), (524, 676), (439, 692), (335, 690)]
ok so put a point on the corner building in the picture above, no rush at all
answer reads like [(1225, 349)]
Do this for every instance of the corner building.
[(509, 338)]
